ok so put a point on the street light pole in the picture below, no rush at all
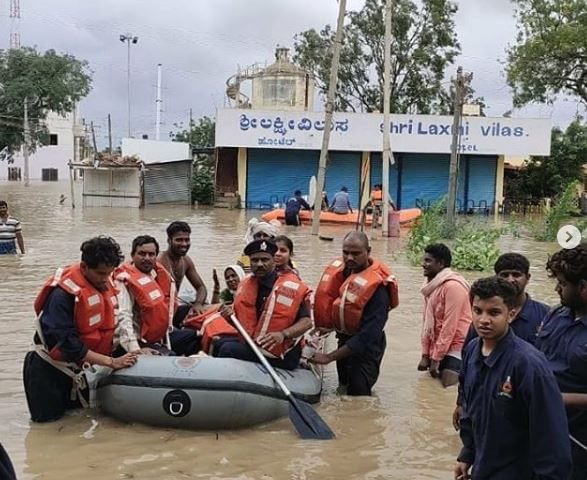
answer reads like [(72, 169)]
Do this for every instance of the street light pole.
[(128, 38)]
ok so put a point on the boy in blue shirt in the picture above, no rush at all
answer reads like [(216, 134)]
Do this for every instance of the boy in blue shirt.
[(563, 339), (513, 427)]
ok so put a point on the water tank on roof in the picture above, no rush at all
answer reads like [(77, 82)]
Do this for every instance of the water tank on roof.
[(283, 85)]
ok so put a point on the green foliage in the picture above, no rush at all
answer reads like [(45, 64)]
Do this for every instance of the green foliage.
[(550, 55), (547, 176), (473, 247), (199, 134), (50, 82), (203, 185), (424, 44), (565, 205)]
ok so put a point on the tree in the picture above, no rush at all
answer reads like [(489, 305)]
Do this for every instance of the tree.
[(424, 44), (550, 56), (49, 82), (548, 176), (199, 134)]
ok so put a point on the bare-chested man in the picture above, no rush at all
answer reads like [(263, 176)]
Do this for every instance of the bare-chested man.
[(176, 261)]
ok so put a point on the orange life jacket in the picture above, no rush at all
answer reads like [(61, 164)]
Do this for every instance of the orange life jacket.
[(339, 302), (279, 311), (377, 195), (154, 297), (210, 324), (94, 312)]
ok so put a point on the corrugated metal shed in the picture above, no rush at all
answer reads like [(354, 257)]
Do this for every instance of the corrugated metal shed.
[(111, 187), (168, 182)]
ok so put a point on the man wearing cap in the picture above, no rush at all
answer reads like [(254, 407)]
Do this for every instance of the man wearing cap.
[(293, 207), (273, 309)]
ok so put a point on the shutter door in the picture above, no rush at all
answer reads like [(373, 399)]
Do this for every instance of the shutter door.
[(168, 183), (482, 171), (424, 178), (273, 175), (344, 168), (377, 173)]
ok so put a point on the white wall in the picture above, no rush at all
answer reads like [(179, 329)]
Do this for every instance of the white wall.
[(152, 151), (48, 156)]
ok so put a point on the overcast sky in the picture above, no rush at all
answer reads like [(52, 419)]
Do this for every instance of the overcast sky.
[(201, 42)]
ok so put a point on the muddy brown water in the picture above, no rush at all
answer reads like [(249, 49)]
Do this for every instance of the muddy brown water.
[(402, 432)]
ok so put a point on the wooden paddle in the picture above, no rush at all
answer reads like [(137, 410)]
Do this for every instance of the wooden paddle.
[(306, 421)]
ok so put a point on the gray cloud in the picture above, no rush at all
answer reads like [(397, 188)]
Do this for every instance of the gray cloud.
[(200, 43)]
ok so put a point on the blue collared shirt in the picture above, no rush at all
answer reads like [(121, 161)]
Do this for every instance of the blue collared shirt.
[(563, 339), (514, 424), (526, 323)]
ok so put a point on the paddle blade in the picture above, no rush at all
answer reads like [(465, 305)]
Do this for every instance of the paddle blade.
[(307, 422)]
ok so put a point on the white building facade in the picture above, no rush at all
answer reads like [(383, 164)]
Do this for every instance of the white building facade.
[(49, 162)]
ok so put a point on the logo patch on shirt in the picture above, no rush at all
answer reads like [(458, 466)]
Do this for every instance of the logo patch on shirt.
[(507, 388), (95, 319), (155, 294), (144, 280), (93, 300)]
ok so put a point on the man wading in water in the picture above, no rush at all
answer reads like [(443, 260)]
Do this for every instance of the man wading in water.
[(179, 265)]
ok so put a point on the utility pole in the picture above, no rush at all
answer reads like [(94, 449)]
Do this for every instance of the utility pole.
[(158, 104), (128, 38), (461, 83), (27, 140), (109, 135), (386, 154), (94, 140), (330, 99)]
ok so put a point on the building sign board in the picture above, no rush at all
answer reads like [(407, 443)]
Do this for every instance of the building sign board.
[(362, 132)]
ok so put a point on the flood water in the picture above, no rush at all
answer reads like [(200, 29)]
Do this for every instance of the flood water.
[(403, 432)]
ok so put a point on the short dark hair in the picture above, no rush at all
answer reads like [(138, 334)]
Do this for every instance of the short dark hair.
[(356, 235), (101, 251), (298, 193), (177, 227), (3, 203), (570, 263), (490, 287), (440, 252), (143, 240), (344, 189), (512, 261)]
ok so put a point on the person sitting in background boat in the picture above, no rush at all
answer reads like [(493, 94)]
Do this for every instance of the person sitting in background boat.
[(446, 316), (293, 207), (354, 297), (146, 305), (10, 232), (233, 274), (272, 308), (258, 231), (283, 260), (180, 265), (514, 422), (341, 203), (76, 320), (324, 207)]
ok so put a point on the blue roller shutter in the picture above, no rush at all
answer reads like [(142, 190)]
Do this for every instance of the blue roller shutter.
[(344, 168), (273, 175), (376, 173), (424, 177), (481, 188), (462, 184)]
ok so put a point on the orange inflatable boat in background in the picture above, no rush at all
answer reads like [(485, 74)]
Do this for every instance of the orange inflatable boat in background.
[(407, 216)]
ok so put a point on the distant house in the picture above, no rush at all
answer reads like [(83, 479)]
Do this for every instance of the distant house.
[(50, 161)]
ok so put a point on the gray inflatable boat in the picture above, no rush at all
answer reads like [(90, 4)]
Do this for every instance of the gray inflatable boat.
[(201, 393)]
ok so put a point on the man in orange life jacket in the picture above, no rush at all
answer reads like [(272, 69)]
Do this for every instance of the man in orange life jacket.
[(146, 304), (272, 308), (76, 320), (354, 297)]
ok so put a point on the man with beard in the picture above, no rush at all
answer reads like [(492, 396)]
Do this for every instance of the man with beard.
[(272, 308), (563, 339), (446, 316), (354, 297), (179, 265), (146, 305)]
